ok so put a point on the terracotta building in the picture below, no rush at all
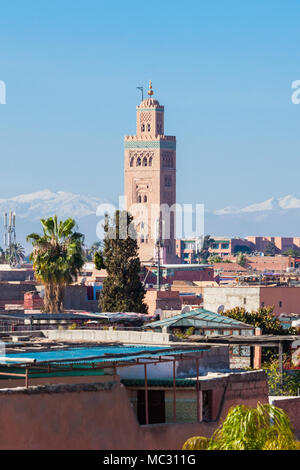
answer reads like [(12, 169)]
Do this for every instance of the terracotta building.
[(150, 180), (282, 244), (187, 249), (284, 299)]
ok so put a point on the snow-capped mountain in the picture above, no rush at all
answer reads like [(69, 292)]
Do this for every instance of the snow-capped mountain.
[(286, 202), (274, 216), (30, 208), (45, 203)]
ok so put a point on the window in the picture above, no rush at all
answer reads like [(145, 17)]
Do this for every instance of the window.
[(145, 161), (143, 127), (225, 246), (139, 161), (148, 127), (167, 161), (168, 181), (131, 161), (150, 161), (145, 199), (156, 406), (280, 303), (245, 300), (140, 199)]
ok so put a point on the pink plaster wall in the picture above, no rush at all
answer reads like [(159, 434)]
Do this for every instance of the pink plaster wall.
[(288, 296), (100, 416)]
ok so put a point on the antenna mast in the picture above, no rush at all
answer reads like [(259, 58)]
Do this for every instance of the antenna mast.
[(9, 229), (141, 88)]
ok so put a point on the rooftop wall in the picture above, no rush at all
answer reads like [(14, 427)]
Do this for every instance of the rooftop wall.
[(291, 405), (99, 416), (110, 335)]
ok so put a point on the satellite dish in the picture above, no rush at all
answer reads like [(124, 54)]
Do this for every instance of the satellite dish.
[(41, 291), (186, 309), (158, 311), (221, 309)]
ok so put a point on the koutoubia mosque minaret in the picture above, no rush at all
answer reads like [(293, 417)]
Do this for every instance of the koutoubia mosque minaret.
[(150, 180)]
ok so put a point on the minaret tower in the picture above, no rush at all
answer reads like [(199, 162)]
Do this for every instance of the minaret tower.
[(150, 180)]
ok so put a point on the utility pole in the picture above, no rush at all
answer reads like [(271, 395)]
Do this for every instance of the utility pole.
[(158, 245)]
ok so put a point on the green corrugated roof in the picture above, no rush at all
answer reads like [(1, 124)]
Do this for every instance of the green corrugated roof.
[(159, 382), (199, 318)]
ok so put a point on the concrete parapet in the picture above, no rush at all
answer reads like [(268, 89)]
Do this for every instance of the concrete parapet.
[(122, 336)]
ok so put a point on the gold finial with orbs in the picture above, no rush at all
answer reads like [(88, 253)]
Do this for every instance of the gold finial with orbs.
[(150, 91)]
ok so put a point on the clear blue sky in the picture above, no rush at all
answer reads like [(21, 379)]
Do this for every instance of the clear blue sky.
[(223, 69)]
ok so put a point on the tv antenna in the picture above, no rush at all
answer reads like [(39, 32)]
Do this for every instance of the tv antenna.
[(9, 229)]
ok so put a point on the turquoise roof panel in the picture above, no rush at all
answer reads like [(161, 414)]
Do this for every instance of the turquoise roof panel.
[(200, 318)]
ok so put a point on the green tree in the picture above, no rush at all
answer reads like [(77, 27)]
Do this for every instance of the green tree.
[(292, 253), (265, 319), (241, 259), (270, 249), (262, 318), (15, 254), (242, 249), (57, 258), (214, 258), (98, 260), (285, 384), (92, 250), (2, 256), (122, 288), (204, 253), (265, 427)]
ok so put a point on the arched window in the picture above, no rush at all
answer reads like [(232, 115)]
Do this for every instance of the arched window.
[(148, 127), (140, 199), (145, 199), (145, 161), (150, 161), (143, 127), (138, 161), (168, 181), (131, 161)]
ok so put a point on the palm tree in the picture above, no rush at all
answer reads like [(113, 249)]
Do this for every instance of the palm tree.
[(57, 258), (241, 259), (2, 256), (204, 253), (90, 252), (265, 427), (15, 254)]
